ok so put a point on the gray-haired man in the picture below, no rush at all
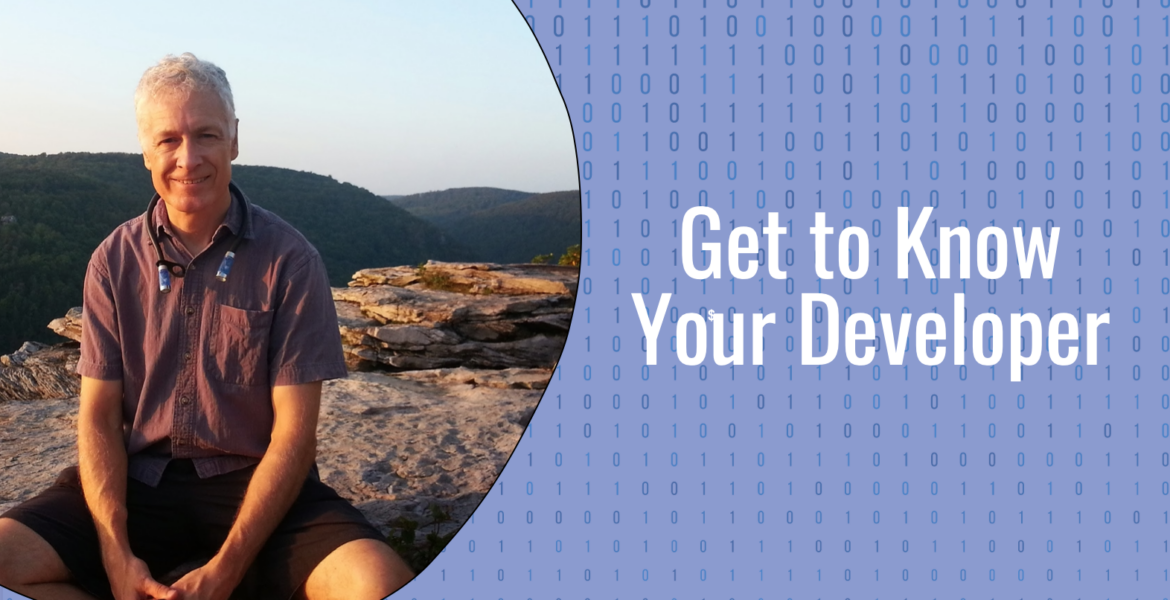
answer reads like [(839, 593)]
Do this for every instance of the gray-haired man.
[(201, 384)]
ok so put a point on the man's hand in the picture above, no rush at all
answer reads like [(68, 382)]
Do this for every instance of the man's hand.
[(133, 582), (204, 583)]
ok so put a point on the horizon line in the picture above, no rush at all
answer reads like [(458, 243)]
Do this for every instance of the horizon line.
[(578, 190)]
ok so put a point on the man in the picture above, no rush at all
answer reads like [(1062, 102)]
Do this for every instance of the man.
[(197, 424)]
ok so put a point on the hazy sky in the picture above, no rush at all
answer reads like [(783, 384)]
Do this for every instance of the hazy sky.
[(394, 96)]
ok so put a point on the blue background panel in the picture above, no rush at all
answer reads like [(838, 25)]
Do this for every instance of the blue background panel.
[(784, 480)]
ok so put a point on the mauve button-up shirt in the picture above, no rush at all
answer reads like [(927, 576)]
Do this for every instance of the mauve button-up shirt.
[(198, 364)]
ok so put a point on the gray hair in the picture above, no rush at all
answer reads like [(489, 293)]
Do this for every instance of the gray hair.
[(185, 74)]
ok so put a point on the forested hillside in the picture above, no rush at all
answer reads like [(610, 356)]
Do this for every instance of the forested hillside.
[(55, 209), (450, 206), (502, 226)]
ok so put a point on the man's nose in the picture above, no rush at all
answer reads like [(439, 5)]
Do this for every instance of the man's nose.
[(188, 155)]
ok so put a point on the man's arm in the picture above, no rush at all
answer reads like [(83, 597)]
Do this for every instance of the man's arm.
[(102, 466), (275, 485)]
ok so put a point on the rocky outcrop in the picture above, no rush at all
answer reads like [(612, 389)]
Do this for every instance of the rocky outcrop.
[(395, 444), (450, 314), (38, 438), (38, 371), (68, 326), (454, 357), (399, 443)]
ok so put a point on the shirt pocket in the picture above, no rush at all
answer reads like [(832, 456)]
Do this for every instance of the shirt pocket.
[(239, 345)]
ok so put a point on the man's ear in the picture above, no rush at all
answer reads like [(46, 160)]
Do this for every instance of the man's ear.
[(236, 139)]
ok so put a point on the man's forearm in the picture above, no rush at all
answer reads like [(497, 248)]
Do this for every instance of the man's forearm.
[(274, 486), (277, 480), (102, 464)]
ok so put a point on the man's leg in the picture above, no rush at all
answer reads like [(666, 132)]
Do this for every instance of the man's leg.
[(325, 548), (359, 570), (30, 566)]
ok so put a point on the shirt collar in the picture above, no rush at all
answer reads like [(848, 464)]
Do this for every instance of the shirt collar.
[(234, 222)]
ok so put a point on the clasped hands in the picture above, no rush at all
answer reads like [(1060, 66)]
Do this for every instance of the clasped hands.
[(131, 580)]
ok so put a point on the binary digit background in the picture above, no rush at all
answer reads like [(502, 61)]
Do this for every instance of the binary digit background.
[(786, 481)]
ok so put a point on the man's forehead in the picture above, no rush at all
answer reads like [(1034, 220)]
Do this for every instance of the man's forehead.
[(170, 109)]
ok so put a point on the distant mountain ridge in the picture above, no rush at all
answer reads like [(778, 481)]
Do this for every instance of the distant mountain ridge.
[(502, 226), (65, 204)]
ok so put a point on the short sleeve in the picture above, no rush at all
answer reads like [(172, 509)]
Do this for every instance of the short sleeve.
[(305, 343), (101, 347)]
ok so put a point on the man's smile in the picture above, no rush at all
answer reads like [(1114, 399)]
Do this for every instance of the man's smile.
[(191, 181)]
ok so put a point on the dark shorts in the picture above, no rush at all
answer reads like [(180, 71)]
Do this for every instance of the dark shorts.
[(187, 518)]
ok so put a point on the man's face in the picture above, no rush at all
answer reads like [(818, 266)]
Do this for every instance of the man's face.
[(188, 144)]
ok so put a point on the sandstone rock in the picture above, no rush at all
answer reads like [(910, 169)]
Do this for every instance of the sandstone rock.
[(37, 371), (538, 351), (399, 443), (68, 326), (38, 438), (389, 304), (530, 379), (393, 444), (482, 316), (477, 278)]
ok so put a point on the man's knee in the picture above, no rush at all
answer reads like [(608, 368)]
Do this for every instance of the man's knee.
[(358, 570), (26, 558)]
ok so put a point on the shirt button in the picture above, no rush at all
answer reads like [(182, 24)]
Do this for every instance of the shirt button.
[(190, 310), (184, 400), (186, 356)]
